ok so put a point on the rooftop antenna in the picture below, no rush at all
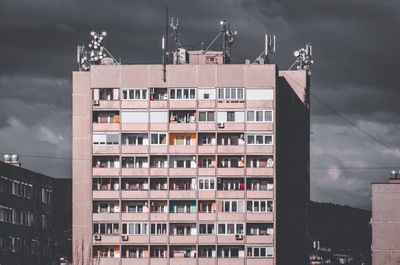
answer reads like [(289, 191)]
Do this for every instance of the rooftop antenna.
[(164, 47), (303, 58), (227, 40), (96, 53), (269, 50)]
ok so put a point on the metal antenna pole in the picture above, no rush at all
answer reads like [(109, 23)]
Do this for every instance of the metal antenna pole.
[(165, 47)]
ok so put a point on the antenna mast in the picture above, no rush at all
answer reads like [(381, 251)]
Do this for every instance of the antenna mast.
[(303, 58)]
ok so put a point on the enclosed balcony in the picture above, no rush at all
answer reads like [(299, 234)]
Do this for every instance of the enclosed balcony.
[(182, 120), (105, 120), (134, 188), (134, 142), (158, 188), (183, 251), (135, 165), (158, 252), (182, 143), (182, 233), (259, 233), (135, 210), (158, 93), (106, 251), (105, 165), (230, 252), (105, 188), (106, 210), (230, 188), (159, 210), (231, 143), (182, 165), (106, 228), (105, 142), (207, 143), (260, 188), (207, 252), (260, 165), (182, 210), (135, 252), (105, 98), (230, 165)]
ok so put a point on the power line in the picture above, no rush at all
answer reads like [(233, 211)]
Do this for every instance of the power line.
[(354, 125)]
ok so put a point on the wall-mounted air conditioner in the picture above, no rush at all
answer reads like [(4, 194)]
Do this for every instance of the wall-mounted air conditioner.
[(96, 102), (97, 237), (124, 238), (220, 125), (239, 237)]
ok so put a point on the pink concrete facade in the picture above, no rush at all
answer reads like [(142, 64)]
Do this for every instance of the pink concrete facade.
[(385, 224), (221, 211)]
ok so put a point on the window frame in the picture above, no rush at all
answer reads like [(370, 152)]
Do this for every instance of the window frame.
[(134, 91), (254, 114), (222, 93), (182, 91), (158, 138), (259, 134)]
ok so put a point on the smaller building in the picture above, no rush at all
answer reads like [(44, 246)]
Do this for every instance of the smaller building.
[(35, 215), (386, 221)]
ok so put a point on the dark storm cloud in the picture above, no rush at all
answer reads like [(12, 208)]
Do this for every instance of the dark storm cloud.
[(355, 71)]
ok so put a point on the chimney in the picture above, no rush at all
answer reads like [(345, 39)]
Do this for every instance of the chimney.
[(12, 160)]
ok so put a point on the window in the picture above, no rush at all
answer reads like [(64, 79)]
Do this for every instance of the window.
[(230, 228), (134, 252), (134, 228), (46, 195), (230, 116), (105, 207), (159, 116), (206, 183), (207, 206), (43, 221), (158, 228), (105, 94), (206, 93), (259, 139), (230, 93), (229, 206), (260, 206), (135, 139), (182, 93), (105, 138), (206, 251), (134, 93), (134, 116), (207, 116), (207, 229), (158, 138), (106, 228), (259, 116), (259, 93), (260, 251), (230, 251)]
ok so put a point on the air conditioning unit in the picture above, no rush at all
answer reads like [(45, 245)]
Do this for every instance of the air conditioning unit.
[(124, 238), (96, 102), (97, 237), (220, 125), (239, 237)]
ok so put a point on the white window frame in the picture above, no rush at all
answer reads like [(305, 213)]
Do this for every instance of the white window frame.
[(254, 135), (133, 90), (201, 90), (161, 228), (136, 140), (159, 133), (269, 251), (207, 179), (105, 143), (182, 92), (144, 228), (230, 89), (259, 206), (230, 207), (263, 112), (235, 228)]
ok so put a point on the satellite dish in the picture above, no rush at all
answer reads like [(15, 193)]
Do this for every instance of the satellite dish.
[(107, 61), (296, 53)]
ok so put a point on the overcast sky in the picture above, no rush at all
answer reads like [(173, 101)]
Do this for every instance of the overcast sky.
[(356, 54)]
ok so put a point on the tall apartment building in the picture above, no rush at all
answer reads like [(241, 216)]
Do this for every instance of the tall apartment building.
[(35, 216), (385, 222), (207, 167)]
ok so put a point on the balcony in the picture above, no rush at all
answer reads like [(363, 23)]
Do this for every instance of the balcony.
[(135, 149), (175, 239), (105, 127), (138, 261), (234, 261), (187, 127), (105, 149), (182, 194), (264, 127), (158, 104), (158, 194), (207, 239), (260, 171), (159, 261), (207, 194), (137, 239), (232, 126), (105, 171), (206, 216), (134, 194), (207, 149), (230, 194), (107, 104), (134, 104), (260, 217), (105, 194), (263, 261), (107, 239), (154, 171), (135, 216), (264, 239), (182, 104), (182, 149), (159, 217), (206, 127), (260, 104), (182, 216), (229, 240), (107, 261), (260, 149), (159, 149), (260, 194), (206, 171), (182, 171), (182, 261), (105, 217), (135, 127), (231, 171), (231, 149), (135, 171), (231, 216), (206, 104), (158, 239)]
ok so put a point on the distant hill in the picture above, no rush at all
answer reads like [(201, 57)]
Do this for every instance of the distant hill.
[(339, 226)]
